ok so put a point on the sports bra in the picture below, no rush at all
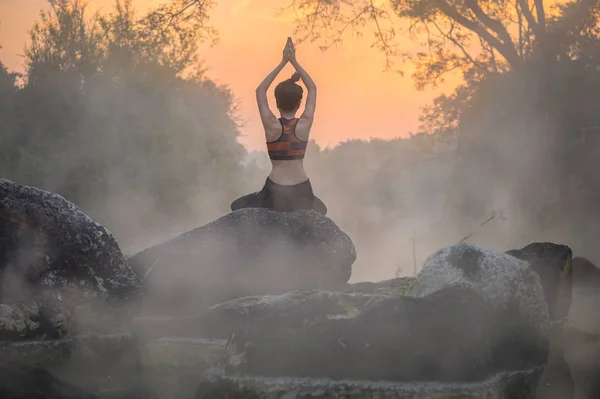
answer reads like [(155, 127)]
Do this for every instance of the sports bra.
[(288, 146)]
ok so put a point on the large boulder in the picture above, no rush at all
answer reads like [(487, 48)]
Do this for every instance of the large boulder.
[(510, 285), (442, 337), (364, 342), (583, 313), (477, 328), (54, 262), (582, 334), (553, 263), (246, 252)]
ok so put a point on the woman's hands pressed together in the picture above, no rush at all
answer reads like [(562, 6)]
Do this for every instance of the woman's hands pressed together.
[(289, 52)]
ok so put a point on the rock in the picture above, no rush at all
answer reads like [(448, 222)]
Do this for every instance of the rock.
[(54, 260), (119, 366), (586, 275), (25, 320), (30, 382), (553, 263), (261, 314), (258, 315), (582, 353), (47, 241), (389, 288), (441, 337), (510, 285), (583, 313), (301, 307), (172, 365), (247, 252), (503, 385), (47, 316), (462, 329), (582, 333)]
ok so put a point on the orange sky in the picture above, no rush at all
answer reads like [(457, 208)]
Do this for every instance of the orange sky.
[(356, 98)]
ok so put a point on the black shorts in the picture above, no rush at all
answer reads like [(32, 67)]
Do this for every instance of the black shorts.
[(282, 198)]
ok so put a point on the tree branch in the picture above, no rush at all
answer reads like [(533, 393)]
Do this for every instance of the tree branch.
[(507, 51), (387, 49), (460, 46), (520, 23), (541, 15), (533, 25), (491, 23)]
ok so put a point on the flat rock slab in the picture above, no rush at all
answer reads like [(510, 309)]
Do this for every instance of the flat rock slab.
[(193, 353), (388, 288), (247, 252), (503, 385), (170, 366), (91, 349), (296, 310), (444, 337), (29, 382), (155, 327), (119, 365), (77, 367)]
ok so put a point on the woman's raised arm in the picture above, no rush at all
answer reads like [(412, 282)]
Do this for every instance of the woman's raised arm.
[(311, 87), (266, 115)]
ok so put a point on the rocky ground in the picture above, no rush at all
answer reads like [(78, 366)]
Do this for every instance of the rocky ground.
[(256, 305)]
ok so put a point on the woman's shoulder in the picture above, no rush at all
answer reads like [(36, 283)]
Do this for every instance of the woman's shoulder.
[(273, 131), (302, 128)]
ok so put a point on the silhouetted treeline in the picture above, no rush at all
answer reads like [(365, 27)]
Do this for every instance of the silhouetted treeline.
[(117, 117)]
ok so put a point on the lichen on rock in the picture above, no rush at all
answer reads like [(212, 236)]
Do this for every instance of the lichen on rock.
[(54, 258)]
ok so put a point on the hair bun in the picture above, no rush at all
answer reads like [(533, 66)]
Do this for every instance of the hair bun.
[(295, 77)]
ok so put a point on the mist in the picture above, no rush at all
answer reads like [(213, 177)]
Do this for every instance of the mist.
[(127, 126), (114, 111)]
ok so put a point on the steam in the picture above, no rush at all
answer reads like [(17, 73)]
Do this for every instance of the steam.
[(399, 200)]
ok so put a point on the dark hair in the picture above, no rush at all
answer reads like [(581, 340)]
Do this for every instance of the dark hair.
[(288, 94)]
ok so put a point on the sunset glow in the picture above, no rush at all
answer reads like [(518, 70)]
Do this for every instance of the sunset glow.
[(356, 98)]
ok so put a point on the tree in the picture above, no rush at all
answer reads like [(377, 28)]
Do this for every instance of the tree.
[(473, 36), (116, 115)]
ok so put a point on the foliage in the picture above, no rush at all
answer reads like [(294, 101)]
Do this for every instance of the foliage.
[(523, 114), (475, 38), (461, 35), (532, 135), (116, 115)]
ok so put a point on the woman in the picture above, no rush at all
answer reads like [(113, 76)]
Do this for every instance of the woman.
[(287, 187)]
